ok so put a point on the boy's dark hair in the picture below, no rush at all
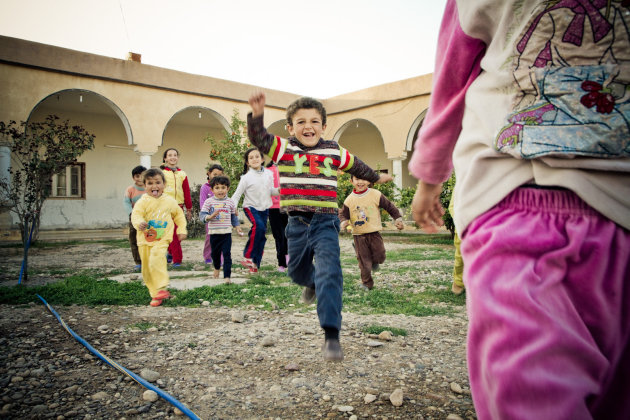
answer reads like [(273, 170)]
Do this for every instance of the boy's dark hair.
[(371, 184), (153, 172), (138, 170), (305, 103), (220, 180), (246, 157), (214, 166)]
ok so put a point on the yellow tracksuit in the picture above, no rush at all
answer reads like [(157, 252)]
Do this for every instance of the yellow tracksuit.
[(159, 213)]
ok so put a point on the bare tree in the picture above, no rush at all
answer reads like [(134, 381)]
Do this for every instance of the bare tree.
[(39, 150)]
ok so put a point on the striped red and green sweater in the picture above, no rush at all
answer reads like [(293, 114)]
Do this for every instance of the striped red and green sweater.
[(308, 175)]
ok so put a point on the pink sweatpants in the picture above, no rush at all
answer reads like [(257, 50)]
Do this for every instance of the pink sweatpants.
[(548, 299)]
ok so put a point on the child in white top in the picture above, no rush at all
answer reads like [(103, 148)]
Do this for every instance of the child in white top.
[(256, 185)]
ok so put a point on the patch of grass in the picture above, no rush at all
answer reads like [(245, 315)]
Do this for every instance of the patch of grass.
[(377, 329), (142, 326), (420, 254), (116, 243), (419, 238)]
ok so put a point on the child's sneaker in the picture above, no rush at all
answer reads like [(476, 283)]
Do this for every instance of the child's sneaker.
[(308, 295), (159, 297), (209, 261), (169, 258), (282, 269), (364, 287), (456, 289), (253, 269), (247, 263), (138, 267), (332, 350), (176, 265)]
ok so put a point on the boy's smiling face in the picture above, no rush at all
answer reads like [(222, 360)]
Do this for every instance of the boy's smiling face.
[(307, 126), (154, 186), (220, 191), (137, 179), (359, 184)]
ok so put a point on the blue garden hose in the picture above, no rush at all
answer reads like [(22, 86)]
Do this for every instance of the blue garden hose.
[(122, 369), (28, 244)]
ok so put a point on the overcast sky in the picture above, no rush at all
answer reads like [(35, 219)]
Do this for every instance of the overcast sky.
[(317, 48)]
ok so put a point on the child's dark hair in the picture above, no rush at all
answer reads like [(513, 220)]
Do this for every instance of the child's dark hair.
[(220, 180), (153, 172), (246, 157), (164, 155), (370, 184), (213, 167), (305, 103), (138, 170)]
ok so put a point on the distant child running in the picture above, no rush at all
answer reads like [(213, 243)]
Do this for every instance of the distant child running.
[(204, 193), (531, 108), (308, 192), (362, 210), (155, 216), (132, 195), (217, 212), (178, 188), (256, 185)]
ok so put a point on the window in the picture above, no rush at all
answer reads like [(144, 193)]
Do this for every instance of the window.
[(70, 182)]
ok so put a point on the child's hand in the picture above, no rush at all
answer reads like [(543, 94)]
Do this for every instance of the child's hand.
[(188, 214), (143, 226), (383, 178), (214, 214), (343, 226), (426, 207), (181, 236), (239, 230), (399, 224), (257, 102)]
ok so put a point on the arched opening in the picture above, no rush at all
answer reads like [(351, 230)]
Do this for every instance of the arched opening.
[(279, 128), (364, 140), (89, 190), (186, 131), (408, 179)]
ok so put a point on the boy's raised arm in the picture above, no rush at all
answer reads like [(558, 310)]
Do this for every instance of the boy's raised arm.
[(257, 101)]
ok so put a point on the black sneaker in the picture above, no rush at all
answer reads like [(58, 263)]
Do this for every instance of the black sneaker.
[(308, 295), (332, 350)]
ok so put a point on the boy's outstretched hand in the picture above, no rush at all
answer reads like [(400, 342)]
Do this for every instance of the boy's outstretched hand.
[(383, 178), (257, 102), (181, 236), (426, 207)]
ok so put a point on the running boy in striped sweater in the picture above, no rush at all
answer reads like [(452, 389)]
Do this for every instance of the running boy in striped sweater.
[(308, 166)]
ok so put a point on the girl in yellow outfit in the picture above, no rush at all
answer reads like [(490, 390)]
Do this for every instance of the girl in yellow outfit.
[(154, 217)]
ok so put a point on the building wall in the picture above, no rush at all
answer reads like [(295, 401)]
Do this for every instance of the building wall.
[(137, 111)]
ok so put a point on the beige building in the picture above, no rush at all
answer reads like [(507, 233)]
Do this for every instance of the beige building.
[(136, 111)]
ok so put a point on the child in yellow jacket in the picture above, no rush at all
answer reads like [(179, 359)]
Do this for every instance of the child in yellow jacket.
[(154, 217)]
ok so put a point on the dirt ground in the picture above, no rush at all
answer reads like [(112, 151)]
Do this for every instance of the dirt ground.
[(224, 363)]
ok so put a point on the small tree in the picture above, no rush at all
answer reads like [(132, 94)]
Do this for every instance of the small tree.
[(229, 150), (445, 198), (38, 151)]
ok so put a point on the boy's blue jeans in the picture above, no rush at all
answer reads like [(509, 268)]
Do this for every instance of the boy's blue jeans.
[(317, 239)]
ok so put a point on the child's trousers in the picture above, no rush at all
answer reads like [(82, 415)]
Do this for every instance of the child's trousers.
[(548, 295), (221, 244), (317, 237), (133, 243), (370, 250), (175, 248), (256, 241), (278, 222), (154, 272)]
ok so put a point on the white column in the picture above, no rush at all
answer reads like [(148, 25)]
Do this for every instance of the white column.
[(145, 160), (397, 169)]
